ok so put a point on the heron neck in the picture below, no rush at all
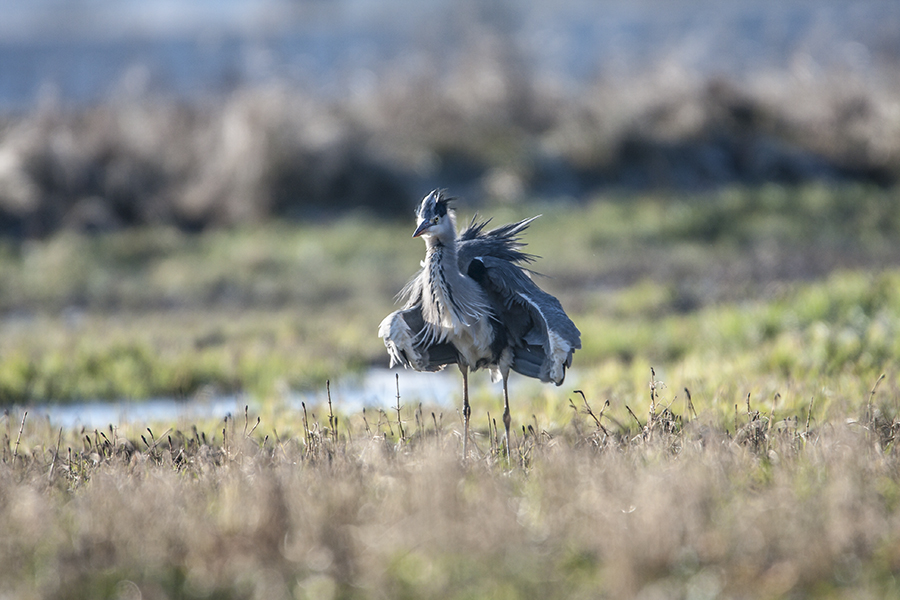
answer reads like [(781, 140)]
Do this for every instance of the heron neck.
[(441, 248)]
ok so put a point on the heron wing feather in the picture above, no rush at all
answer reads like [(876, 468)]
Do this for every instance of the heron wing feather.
[(537, 324), (402, 334)]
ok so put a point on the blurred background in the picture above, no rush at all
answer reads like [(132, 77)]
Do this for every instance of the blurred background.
[(215, 197), (115, 114), (206, 210)]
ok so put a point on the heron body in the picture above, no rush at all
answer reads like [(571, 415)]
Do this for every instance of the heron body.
[(473, 304)]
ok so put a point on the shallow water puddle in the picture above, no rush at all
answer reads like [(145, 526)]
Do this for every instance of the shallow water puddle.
[(377, 388)]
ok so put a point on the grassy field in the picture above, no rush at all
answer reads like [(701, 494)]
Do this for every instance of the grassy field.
[(740, 274), (755, 460), (777, 503)]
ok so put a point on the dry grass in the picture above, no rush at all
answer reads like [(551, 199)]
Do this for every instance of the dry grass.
[(683, 506)]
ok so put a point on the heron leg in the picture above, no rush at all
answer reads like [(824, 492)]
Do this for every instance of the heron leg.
[(506, 417), (467, 411)]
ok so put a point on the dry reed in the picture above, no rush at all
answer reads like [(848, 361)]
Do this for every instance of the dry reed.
[(678, 507)]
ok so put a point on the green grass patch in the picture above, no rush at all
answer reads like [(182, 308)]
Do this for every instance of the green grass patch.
[(790, 283)]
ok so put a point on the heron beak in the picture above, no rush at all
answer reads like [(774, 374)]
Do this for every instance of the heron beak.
[(423, 226)]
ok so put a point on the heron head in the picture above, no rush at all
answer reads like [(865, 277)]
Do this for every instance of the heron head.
[(434, 216)]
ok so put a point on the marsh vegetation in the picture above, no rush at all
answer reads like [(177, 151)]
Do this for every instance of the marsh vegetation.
[(756, 459), (741, 274), (719, 186), (674, 501)]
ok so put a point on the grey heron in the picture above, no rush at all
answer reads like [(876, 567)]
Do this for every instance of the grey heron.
[(473, 303)]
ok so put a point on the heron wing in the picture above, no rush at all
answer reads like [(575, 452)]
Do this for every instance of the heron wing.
[(541, 335), (403, 332), (502, 242)]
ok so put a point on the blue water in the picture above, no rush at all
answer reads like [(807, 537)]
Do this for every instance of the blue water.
[(73, 53), (374, 390)]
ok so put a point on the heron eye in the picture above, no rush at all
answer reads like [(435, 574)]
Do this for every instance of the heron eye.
[(435, 220)]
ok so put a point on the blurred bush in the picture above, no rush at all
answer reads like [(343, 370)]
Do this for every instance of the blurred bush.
[(486, 130)]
